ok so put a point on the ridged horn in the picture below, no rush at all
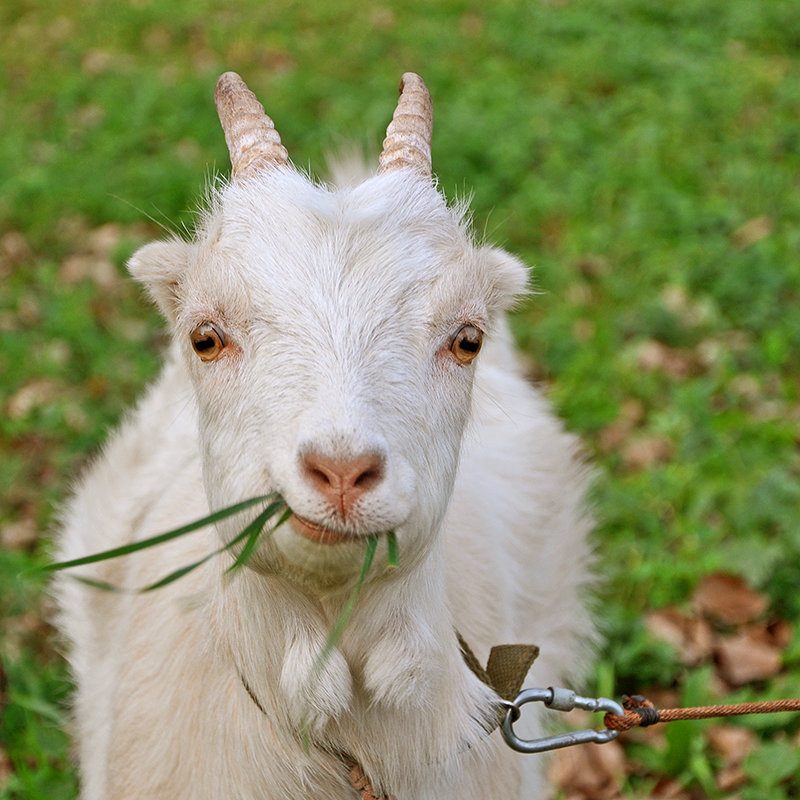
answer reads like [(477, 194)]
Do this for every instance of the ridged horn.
[(253, 142), (408, 138)]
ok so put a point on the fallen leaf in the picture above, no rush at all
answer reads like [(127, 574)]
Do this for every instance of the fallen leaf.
[(6, 768), (653, 356), (631, 413), (644, 452), (89, 267), (593, 772), (691, 637), (728, 599), (19, 535), (733, 742), (730, 778), (669, 790), (104, 240), (31, 396), (780, 633), (14, 250), (754, 230), (747, 656), (592, 265)]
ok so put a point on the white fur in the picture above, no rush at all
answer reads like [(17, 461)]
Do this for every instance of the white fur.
[(340, 306)]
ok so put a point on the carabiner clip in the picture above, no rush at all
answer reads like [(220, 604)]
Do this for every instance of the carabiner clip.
[(561, 700)]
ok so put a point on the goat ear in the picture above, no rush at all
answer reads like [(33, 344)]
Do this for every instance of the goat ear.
[(159, 266), (508, 274)]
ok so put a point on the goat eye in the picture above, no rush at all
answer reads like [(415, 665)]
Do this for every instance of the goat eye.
[(207, 341), (467, 343)]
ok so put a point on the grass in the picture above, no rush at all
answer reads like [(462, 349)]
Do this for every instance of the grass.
[(642, 154)]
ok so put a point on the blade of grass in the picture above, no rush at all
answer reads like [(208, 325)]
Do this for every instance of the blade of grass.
[(161, 538), (254, 534), (251, 533), (335, 634), (337, 630), (392, 552)]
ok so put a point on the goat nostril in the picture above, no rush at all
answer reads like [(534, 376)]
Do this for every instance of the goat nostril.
[(368, 478), (318, 476)]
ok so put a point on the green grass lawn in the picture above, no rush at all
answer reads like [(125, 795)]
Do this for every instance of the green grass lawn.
[(642, 155)]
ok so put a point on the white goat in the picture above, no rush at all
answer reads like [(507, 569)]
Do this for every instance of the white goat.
[(325, 347)]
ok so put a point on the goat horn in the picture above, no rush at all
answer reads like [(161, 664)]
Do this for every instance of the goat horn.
[(250, 134), (408, 137)]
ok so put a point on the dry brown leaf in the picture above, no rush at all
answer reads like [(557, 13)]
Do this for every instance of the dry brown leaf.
[(592, 265), (729, 778), (612, 436), (644, 452), (653, 356), (583, 329), (32, 395), (733, 742), (747, 656), (14, 250), (93, 267), (19, 535), (691, 637), (593, 772), (727, 598), (631, 413), (780, 633), (105, 239), (6, 768), (97, 62), (754, 230), (669, 790)]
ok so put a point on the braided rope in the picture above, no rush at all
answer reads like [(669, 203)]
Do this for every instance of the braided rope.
[(639, 712), (361, 783)]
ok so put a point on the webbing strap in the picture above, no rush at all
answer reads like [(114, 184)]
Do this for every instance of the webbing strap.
[(505, 671)]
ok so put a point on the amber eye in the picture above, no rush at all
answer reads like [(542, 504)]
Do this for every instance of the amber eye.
[(207, 341), (467, 343)]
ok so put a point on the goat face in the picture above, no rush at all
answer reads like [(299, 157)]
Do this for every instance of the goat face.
[(331, 337)]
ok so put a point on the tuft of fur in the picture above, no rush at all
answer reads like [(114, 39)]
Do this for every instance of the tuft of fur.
[(338, 306)]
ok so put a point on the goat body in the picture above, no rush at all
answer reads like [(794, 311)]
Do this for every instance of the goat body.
[(324, 347)]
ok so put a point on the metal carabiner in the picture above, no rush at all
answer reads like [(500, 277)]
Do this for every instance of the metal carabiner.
[(561, 700)]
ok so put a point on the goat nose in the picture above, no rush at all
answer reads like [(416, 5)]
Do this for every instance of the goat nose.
[(342, 481)]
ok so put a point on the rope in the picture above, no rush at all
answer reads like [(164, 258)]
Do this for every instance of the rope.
[(361, 783), (639, 711)]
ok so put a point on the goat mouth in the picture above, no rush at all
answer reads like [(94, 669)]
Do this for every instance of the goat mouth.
[(318, 533)]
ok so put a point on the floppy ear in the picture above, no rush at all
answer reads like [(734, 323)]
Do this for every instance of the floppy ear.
[(159, 266), (509, 276)]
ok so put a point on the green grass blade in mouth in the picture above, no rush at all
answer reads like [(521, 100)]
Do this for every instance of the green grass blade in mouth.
[(251, 534), (337, 630), (335, 634), (392, 552), (133, 547), (253, 531)]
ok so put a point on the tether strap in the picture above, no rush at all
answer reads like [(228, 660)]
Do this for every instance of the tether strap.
[(505, 671)]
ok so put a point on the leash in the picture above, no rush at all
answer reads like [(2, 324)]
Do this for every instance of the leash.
[(635, 711), (505, 672), (640, 712)]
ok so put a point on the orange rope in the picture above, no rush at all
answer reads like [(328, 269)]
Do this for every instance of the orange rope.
[(361, 783), (640, 711)]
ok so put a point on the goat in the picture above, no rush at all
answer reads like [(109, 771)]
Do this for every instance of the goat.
[(325, 345)]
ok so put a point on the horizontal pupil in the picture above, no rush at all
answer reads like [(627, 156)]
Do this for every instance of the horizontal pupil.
[(471, 347), (204, 344)]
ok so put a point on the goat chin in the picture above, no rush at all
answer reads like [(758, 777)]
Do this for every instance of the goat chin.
[(325, 347)]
